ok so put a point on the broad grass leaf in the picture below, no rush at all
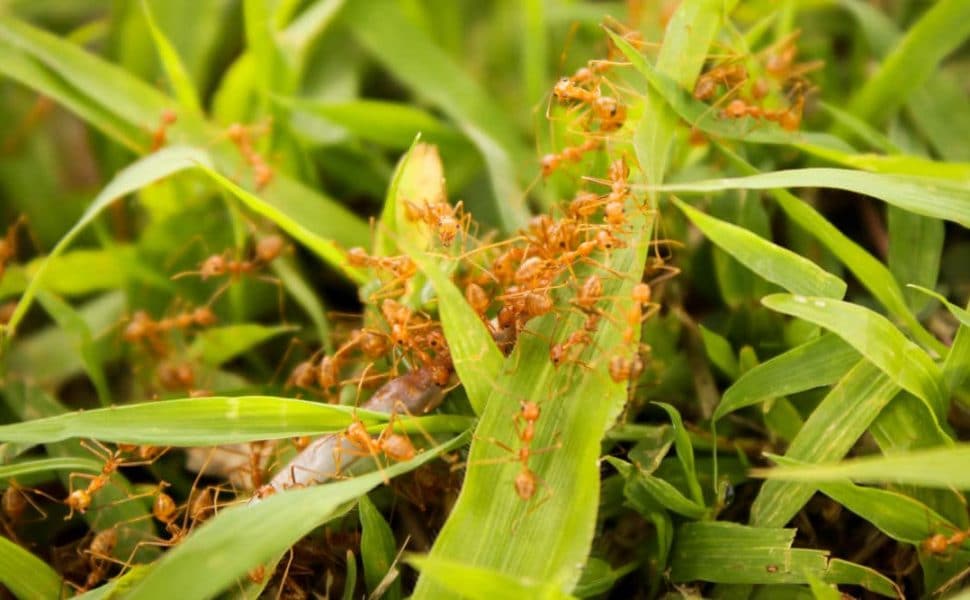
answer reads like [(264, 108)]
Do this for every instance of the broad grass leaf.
[(940, 30), (469, 581), (377, 548), (829, 433), (214, 555), (874, 337), (915, 249), (816, 363), (934, 467), (25, 575), (732, 553), (192, 421), (778, 265), (928, 196), (137, 175)]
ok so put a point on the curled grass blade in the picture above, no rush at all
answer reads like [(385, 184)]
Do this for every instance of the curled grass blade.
[(732, 553), (210, 559), (192, 421), (829, 433), (936, 467), (820, 362), (137, 175), (25, 575), (685, 452), (931, 197), (778, 265), (875, 337)]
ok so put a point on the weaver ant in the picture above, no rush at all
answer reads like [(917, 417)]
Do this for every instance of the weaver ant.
[(160, 134)]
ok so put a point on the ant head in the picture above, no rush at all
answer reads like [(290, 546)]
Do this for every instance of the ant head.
[(641, 293), (548, 164), (169, 116), (530, 410), (214, 266), (447, 229)]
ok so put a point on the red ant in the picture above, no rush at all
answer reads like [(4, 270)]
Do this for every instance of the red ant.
[(80, 499), (8, 244), (730, 76), (526, 481), (551, 162), (939, 543), (159, 136), (441, 217), (241, 136)]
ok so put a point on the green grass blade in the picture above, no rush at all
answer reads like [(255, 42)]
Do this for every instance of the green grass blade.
[(46, 465), (192, 422), (178, 76), (941, 29), (820, 362), (386, 32), (685, 452), (112, 505), (915, 248), (902, 518), (480, 583), (389, 124), (217, 345), (34, 74), (778, 265), (935, 467), (956, 367), (135, 176), (870, 272), (221, 550), (644, 490), (931, 197), (301, 292), (25, 575), (733, 553), (377, 548), (308, 220), (853, 404), (875, 337), (48, 357), (73, 324), (135, 102), (477, 359), (961, 315), (720, 353)]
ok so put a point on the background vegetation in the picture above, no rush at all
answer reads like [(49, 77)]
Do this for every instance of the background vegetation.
[(805, 249)]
